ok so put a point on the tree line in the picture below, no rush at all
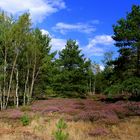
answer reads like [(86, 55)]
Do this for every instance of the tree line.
[(122, 75), (23, 51), (28, 69)]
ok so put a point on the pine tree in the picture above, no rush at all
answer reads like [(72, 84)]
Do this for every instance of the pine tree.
[(72, 70), (127, 37)]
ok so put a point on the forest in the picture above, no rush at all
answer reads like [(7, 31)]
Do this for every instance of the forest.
[(32, 78), (29, 70)]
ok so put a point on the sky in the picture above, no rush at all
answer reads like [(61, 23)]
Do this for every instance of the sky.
[(89, 22)]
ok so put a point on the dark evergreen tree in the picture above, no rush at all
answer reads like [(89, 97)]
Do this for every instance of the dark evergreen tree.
[(72, 70), (126, 72), (127, 37)]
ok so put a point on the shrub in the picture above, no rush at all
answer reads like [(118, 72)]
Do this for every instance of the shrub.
[(25, 120), (128, 86), (132, 85), (49, 91), (113, 90), (25, 108), (88, 116), (59, 134)]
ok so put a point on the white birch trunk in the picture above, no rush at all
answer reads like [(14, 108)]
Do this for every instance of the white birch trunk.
[(25, 88), (4, 80), (10, 82), (17, 87)]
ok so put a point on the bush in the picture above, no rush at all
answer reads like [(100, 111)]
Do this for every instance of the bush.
[(49, 91), (132, 85), (113, 90), (25, 120), (59, 134)]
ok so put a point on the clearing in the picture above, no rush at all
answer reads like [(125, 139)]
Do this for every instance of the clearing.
[(86, 119)]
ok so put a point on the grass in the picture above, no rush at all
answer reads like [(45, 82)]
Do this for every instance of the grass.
[(44, 115), (41, 129)]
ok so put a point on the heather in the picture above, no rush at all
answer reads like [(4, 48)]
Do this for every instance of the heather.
[(79, 109), (85, 119)]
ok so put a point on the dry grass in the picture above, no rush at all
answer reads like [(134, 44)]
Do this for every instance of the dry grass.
[(110, 121), (41, 128), (127, 130)]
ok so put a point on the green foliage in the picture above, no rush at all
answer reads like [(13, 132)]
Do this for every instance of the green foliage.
[(27, 50), (49, 92), (132, 85), (61, 124), (122, 75), (126, 35), (72, 71), (129, 86), (113, 90), (25, 120), (59, 134)]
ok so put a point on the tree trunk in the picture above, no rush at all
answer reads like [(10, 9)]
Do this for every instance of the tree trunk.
[(33, 80), (10, 82), (17, 87), (32, 84), (90, 85), (4, 79), (25, 88), (14, 100), (1, 102), (94, 86)]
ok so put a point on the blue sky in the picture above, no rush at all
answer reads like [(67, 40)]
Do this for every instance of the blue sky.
[(87, 21)]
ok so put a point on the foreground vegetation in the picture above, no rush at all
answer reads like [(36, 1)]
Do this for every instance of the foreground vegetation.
[(40, 129), (72, 119)]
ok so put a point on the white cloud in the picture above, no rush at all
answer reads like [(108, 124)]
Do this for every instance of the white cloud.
[(38, 9), (57, 43), (45, 32), (100, 40), (80, 27), (96, 51), (95, 47), (98, 45), (101, 67)]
